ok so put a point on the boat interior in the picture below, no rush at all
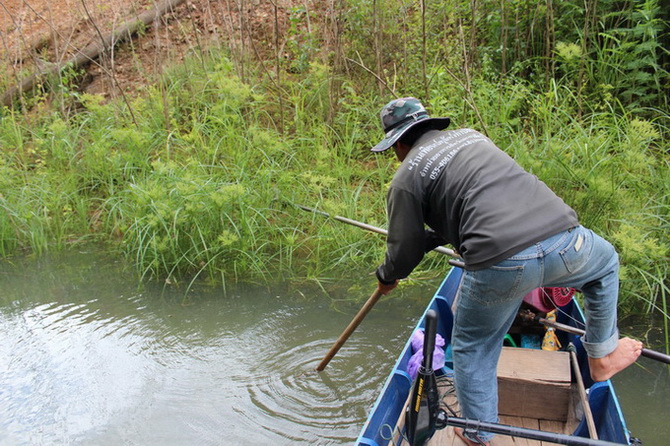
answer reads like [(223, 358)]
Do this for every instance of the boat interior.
[(538, 389)]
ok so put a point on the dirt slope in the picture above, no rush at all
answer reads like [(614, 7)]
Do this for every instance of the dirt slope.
[(38, 32)]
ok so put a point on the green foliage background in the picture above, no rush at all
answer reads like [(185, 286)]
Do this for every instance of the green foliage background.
[(196, 177)]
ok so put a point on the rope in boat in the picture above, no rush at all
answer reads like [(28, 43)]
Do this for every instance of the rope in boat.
[(559, 310)]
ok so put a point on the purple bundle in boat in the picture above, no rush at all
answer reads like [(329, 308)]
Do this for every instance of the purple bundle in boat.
[(417, 358)]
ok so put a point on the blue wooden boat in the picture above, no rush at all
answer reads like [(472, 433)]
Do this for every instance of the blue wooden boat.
[(385, 424)]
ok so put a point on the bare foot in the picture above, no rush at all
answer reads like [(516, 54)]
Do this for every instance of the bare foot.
[(467, 441), (625, 354)]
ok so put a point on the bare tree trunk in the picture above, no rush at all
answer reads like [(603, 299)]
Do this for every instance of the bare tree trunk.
[(590, 11), (503, 37), (278, 67), (334, 42), (549, 40), (235, 48), (426, 90), (467, 84), (473, 33), (201, 49), (376, 30), (240, 10)]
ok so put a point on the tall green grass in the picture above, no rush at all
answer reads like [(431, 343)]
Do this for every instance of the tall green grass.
[(204, 185)]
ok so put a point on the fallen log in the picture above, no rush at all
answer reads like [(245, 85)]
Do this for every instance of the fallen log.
[(91, 52)]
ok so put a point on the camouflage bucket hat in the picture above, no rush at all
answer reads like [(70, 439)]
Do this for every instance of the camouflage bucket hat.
[(401, 115)]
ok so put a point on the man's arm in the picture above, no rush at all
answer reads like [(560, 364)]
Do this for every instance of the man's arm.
[(432, 240), (406, 240)]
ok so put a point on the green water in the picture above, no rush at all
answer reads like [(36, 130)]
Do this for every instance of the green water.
[(89, 358), (644, 388)]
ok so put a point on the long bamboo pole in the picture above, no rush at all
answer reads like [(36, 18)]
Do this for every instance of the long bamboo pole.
[(651, 354), (522, 432), (441, 249), (588, 415), (372, 300), (355, 322)]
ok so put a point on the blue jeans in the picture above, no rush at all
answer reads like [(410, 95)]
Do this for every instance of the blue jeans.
[(490, 298)]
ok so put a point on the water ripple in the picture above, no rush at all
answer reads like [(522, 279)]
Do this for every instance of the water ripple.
[(325, 405)]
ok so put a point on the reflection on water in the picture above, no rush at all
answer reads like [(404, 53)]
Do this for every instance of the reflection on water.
[(87, 357)]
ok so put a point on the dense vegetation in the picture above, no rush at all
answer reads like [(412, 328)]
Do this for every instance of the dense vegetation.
[(196, 177)]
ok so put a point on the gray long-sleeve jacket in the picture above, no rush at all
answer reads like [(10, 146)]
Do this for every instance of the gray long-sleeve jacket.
[(474, 196)]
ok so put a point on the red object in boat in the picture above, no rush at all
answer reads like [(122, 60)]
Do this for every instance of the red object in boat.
[(546, 299)]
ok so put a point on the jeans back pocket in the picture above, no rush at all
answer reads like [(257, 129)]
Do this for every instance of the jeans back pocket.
[(577, 252), (496, 284)]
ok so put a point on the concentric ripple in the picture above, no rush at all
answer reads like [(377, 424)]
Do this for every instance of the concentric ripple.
[(303, 405)]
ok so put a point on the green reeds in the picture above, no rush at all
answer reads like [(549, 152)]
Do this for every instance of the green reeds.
[(214, 195)]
